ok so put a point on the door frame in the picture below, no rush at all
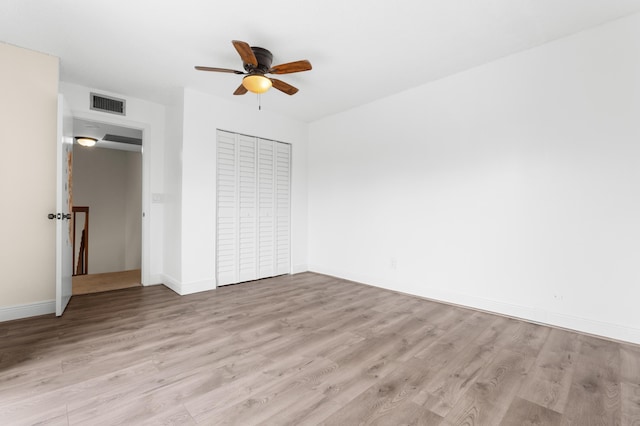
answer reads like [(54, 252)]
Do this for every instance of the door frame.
[(98, 117)]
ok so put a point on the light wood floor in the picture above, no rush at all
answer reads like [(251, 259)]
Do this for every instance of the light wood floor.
[(96, 283), (303, 350)]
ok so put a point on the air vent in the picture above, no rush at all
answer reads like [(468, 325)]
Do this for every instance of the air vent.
[(108, 104), (122, 139)]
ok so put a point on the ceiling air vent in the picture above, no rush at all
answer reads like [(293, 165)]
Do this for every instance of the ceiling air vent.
[(108, 104)]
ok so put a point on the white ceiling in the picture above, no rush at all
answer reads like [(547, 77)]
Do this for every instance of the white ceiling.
[(361, 50)]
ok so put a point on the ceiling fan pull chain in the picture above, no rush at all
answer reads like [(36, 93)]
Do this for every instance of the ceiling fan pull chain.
[(259, 102)]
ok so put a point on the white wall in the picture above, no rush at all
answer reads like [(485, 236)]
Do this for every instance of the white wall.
[(173, 194), (150, 118), (512, 187), (203, 114), (28, 107), (109, 182)]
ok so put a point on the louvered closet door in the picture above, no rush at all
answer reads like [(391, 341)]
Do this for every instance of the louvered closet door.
[(227, 217), (266, 209), (254, 208), (282, 207), (248, 246)]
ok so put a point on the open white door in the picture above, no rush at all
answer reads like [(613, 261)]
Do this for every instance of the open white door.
[(64, 206)]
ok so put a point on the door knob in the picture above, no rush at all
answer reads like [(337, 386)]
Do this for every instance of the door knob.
[(59, 216)]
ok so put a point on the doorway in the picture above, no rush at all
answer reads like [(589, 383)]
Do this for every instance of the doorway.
[(107, 188)]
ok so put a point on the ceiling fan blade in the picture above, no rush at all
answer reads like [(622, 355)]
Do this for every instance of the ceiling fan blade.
[(219, 70), (245, 52), (284, 87), (241, 90), (290, 67)]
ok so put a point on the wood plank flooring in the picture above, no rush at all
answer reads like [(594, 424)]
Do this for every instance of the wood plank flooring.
[(305, 349), (107, 281)]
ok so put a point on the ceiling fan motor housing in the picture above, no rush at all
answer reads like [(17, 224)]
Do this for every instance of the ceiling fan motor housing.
[(264, 58)]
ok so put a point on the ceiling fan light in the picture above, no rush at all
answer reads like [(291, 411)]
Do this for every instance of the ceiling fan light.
[(86, 141), (256, 83)]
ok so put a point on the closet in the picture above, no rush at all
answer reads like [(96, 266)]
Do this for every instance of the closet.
[(253, 222)]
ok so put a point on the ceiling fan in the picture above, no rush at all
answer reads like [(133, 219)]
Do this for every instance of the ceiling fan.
[(257, 62)]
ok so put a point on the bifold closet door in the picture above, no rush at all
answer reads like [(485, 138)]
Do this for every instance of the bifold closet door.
[(253, 203), (266, 209), (247, 203), (282, 195), (227, 206)]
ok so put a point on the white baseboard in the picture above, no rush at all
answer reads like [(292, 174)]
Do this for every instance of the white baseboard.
[(543, 316), (188, 288), (527, 313), (171, 283), (598, 328), (198, 286), (9, 313)]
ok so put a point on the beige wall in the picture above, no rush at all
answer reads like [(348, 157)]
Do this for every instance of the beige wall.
[(108, 181), (28, 111)]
